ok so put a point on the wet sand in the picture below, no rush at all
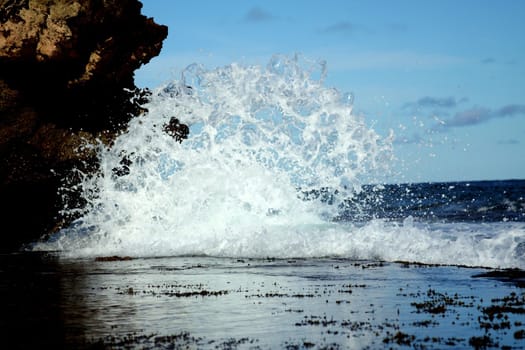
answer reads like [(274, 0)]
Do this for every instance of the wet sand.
[(222, 303)]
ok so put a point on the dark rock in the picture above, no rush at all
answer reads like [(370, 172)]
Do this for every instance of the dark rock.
[(113, 258), (177, 130), (514, 276), (123, 168), (66, 81)]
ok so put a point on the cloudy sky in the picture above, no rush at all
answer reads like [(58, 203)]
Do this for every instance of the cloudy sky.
[(447, 76)]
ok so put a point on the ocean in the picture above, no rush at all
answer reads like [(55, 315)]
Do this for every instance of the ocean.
[(272, 226), (277, 165)]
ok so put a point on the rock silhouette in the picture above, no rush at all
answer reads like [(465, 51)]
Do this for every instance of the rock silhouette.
[(66, 80)]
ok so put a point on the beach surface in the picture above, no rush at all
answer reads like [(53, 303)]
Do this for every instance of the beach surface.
[(230, 303)]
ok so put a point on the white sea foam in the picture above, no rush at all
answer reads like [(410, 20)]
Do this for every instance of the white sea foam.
[(258, 134)]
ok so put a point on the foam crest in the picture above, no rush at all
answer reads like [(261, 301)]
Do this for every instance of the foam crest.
[(260, 139)]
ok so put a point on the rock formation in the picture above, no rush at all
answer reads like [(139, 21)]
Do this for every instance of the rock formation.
[(66, 79)]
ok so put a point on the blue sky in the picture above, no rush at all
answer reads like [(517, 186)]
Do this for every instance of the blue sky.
[(447, 76)]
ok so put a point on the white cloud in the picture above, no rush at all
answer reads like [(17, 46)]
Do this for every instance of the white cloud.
[(257, 14)]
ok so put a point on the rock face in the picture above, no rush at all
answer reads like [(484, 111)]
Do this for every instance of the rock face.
[(66, 79)]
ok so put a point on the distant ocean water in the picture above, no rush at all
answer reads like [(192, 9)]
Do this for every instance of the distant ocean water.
[(448, 202), (277, 165)]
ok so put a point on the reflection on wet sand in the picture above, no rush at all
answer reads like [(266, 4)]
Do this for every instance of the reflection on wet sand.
[(261, 303), (31, 302)]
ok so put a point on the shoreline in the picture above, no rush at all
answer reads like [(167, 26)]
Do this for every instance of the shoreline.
[(208, 303)]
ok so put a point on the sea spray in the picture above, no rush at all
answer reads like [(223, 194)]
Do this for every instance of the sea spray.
[(272, 158)]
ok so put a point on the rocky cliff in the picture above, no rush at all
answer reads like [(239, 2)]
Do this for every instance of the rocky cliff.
[(66, 79)]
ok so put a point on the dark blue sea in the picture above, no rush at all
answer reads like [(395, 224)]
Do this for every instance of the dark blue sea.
[(447, 202)]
